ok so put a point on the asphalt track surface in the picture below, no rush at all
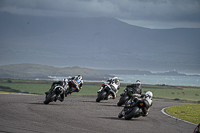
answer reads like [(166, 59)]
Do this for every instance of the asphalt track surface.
[(28, 114)]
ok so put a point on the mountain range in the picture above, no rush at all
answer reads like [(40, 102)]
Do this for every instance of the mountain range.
[(36, 71), (97, 43)]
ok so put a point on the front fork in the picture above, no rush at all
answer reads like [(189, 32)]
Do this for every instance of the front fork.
[(100, 90)]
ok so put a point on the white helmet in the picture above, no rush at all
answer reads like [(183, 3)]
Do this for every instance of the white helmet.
[(115, 78), (150, 94), (80, 77), (65, 80), (138, 82)]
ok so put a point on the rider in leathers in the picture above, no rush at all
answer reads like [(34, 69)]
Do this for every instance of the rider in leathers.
[(115, 86), (136, 87), (75, 83), (62, 83), (146, 99)]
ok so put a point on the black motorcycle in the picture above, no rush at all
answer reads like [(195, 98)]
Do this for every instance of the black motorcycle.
[(104, 93), (132, 109), (125, 96), (197, 129), (54, 95)]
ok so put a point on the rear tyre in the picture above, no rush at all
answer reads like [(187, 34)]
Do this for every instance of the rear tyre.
[(123, 100), (49, 98), (101, 96)]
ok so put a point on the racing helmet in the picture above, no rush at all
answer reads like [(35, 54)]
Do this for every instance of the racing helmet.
[(65, 80), (150, 94), (80, 77), (138, 82), (115, 78)]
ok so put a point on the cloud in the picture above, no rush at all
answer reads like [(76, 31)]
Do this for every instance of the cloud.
[(132, 11)]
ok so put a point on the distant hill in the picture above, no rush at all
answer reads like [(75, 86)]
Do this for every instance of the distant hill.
[(100, 43), (139, 72), (35, 71)]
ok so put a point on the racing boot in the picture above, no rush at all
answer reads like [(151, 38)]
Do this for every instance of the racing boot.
[(49, 90), (144, 112), (110, 97), (61, 98), (113, 94)]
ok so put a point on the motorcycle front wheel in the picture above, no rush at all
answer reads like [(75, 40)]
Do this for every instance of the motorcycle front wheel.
[(120, 115), (50, 98), (101, 96), (133, 113)]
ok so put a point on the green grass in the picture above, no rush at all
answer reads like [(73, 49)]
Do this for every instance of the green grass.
[(33, 88), (174, 92), (188, 112), (179, 93)]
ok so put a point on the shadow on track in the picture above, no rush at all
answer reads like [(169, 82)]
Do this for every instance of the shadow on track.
[(120, 119), (51, 104)]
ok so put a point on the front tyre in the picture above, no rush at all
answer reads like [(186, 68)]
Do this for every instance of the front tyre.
[(123, 100), (101, 96), (120, 115), (134, 113), (49, 98)]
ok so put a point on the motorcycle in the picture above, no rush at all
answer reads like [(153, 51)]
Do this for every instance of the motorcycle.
[(54, 95), (125, 96), (104, 93), (197, 129), (132, 109)]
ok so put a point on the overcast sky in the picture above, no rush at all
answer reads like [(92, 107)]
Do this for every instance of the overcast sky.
[(146, 13)]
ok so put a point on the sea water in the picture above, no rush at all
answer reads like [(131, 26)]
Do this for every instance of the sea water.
[(152, 79), (161, 80)]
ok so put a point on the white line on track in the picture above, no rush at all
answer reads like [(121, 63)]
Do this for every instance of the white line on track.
[(163, 111)]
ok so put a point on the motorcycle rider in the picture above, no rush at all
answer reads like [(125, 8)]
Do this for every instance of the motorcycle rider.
[(75, 83), (136, 87), (64, 84), (115, 86), (145, 98)]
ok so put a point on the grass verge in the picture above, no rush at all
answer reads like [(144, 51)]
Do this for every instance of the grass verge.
[(188, 112)]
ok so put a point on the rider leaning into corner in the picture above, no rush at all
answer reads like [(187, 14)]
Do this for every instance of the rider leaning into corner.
[(75, 84), (62, 83), (146, 99), (115, 86)]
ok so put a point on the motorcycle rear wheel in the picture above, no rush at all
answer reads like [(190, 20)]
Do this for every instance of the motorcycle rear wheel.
[(123, 100), (50, 98)]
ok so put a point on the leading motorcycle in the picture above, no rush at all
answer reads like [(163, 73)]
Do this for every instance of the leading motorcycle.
[(55, 93)]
